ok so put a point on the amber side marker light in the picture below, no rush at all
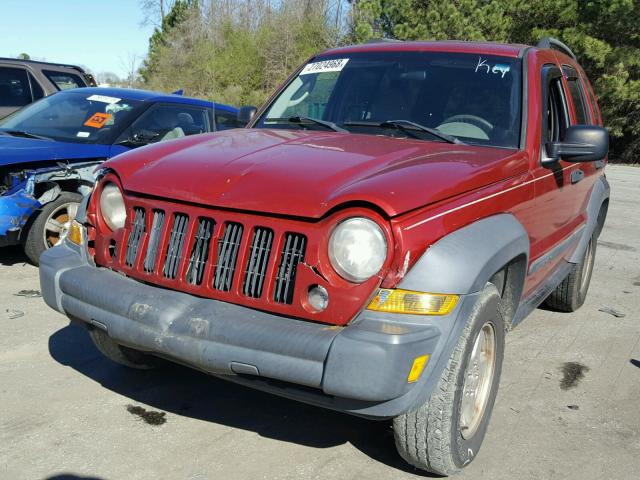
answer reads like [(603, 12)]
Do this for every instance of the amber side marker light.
[(408, 301), (416, 369), (74, 235)]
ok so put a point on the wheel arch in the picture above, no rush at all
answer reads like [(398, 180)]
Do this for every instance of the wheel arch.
[(597, 208), (463, 261)]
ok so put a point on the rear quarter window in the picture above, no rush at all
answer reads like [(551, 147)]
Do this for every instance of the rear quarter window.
[(64, 81), (594, 103)]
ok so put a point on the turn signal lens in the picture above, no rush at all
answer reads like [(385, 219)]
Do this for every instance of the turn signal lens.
[(416, 369), (74, 235), (408, 301)]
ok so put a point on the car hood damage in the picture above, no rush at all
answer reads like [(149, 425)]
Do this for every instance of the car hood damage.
[(17, 150), (307, 173)]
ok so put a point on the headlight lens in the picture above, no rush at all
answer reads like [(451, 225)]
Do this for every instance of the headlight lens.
[(112, 206), (357, 249)]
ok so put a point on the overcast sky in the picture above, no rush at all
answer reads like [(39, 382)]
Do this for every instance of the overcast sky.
[(102, 35)]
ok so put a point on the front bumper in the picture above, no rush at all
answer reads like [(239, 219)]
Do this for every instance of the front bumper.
[(361, 368), (15, 210)]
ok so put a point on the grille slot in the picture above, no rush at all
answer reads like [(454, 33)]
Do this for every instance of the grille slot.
[(228, 248), (200, 251), (258, 259), (137, 230), (176, 245), (154, 240), (293, 252)]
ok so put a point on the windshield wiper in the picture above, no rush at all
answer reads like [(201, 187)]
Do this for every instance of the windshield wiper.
[(20, 133), (406, 126), (324, 123), (300, 120), (403, 125)]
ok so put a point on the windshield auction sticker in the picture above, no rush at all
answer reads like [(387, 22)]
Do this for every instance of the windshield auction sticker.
[(103, 99), (97, 120), (325, 66)]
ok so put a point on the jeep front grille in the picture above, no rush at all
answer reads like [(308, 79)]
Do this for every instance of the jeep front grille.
[(259, 253), (154, 241), (292, 253), (175, 246), (210, 253), (200, 251), (228, 248), (139, 227)]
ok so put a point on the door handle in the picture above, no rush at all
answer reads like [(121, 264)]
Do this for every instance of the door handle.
[(576, 176)]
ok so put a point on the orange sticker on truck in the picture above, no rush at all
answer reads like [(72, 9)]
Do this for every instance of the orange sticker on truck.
[(98, 120)]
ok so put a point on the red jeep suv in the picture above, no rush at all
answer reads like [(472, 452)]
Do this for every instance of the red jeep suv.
[(364, 244)]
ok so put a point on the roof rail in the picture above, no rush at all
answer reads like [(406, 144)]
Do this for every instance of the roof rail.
[(550, 42), (39, 62)]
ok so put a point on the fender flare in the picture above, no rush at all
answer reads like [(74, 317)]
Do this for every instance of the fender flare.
[(463, 261), (599, 194)]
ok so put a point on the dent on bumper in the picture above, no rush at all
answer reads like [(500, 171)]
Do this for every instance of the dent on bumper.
[(15, 210), (361, 368)]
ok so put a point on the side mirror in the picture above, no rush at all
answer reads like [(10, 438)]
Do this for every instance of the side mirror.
[(582, 143), (245, 114)]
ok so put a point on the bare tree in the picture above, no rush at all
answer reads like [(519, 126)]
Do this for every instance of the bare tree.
[(131, 66), (155, 11)]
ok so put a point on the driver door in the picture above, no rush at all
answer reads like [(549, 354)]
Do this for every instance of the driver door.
[(554, 218)]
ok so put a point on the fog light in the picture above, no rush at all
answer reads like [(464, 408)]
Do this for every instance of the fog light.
[(318, 298), (74, 234)]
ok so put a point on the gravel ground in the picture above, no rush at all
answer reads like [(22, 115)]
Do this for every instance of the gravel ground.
[(68, 413)]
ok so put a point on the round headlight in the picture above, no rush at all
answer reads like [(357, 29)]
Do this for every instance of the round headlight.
[(112, 206), (357, 249)]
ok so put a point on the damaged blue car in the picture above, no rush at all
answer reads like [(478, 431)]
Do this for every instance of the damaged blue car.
[(49, 151)]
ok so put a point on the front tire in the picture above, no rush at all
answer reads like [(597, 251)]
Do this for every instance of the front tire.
[(50, 226), (445, 433)]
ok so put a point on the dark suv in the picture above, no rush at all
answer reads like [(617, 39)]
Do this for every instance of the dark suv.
[(25, 81)]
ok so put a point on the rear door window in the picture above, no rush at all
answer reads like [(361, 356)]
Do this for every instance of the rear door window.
[(576, 90), (14, 87), (64, 81)]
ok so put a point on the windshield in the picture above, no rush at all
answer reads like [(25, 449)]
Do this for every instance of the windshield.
[(73, 116), (474, 98)]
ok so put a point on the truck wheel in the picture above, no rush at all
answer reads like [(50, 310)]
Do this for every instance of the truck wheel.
[(445, 433), (572, 292), (51, 225), (120, 354)]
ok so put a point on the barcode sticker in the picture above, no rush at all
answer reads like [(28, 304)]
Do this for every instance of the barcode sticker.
[(325, 66)]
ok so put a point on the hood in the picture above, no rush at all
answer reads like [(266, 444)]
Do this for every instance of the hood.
[(15, 150), (306, 174)]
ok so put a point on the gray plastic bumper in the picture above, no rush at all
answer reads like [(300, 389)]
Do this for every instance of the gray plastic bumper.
[(360, 369)]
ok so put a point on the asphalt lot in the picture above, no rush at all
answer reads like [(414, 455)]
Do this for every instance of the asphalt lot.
[(63, 407)]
